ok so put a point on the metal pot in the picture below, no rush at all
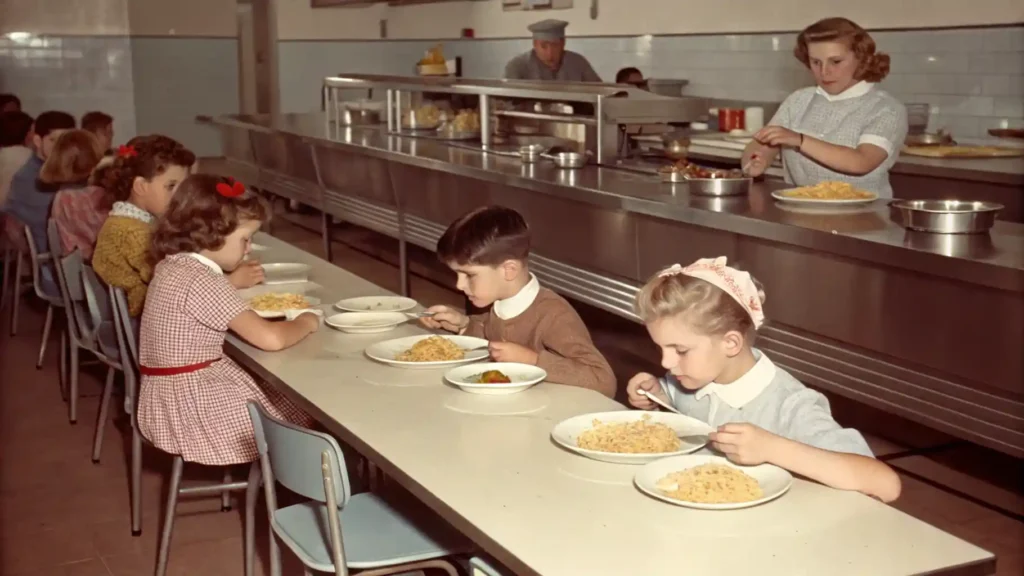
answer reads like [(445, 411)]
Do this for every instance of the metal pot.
[(945, 216), (568, 160), (355, 117)]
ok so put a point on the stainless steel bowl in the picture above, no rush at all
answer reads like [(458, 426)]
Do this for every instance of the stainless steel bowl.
[(568, 160), (353, 117), (675, 146), (531, 153), (940, 139), (719, 186), (945, 216)]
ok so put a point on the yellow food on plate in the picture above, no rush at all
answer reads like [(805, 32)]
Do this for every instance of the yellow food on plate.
[(830, 190), (711, 484), (432, 349), (466, 121), (278, 302), (635, 437)]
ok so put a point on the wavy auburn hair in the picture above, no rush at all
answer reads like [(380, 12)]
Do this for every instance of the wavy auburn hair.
[(153, 155), (872, 66), (200, 218)]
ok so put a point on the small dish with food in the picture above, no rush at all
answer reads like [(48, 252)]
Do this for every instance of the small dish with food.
[(495, 378), (366, 322), (376, 304), (711, 482), (631, 436), (278, 304), (429, 351), (705, 181)]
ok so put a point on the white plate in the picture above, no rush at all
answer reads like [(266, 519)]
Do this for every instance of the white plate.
[(285, 273), (780, 196), (376, 304), (313, 303), (387, 351), (366, 322), (774, 481), (567, 431), (523, 376)]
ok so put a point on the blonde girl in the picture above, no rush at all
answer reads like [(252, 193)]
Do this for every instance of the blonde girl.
[(704, 317)]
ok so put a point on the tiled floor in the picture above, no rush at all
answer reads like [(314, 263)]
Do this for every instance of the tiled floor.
[(61, 515)]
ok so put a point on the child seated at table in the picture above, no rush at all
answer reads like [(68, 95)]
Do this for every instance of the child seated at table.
[(193, 399), (488, 250), (704, 317), (142, 178), (79, 209)]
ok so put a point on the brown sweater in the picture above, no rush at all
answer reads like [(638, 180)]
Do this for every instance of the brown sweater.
[(551, 327)]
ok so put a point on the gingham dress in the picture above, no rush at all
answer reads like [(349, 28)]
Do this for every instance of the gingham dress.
[(201, 415)]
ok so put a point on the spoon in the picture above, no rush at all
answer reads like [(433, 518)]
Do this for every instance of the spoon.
[(417, 315), (659, 401)]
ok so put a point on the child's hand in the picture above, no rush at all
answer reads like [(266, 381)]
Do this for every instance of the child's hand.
[(647, 383), (247, 275), (445, 318), (744, 443), (509, 352)]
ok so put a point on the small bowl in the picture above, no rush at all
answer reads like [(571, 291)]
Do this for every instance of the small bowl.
[(366, 322), (531, 153), (569, 160)]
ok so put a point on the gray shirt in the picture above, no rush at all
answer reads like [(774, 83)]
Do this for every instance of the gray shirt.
[(772, 399), (574, 68), (862, 114)]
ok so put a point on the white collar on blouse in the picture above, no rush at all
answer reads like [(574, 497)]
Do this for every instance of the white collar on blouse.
[(747, 387), (856, 91), (511, 307), (129, 210), (209, 263)]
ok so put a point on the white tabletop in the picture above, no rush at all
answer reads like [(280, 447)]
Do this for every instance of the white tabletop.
[(487, 465)]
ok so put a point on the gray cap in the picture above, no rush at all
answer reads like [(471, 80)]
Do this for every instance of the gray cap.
[(548, 29)]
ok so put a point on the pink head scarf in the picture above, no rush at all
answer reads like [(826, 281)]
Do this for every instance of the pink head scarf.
[(737, 284)]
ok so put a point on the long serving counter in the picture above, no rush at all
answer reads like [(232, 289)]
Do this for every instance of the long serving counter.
[(487, 465), (928, 327)]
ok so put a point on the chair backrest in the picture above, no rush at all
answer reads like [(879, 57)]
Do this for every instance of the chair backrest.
[(295, 456), (127, 345), (39, 259), (69, 305), (101, 316), (481, 567), (71, 273)]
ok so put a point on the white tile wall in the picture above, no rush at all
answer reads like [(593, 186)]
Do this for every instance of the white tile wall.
[(973, 78)]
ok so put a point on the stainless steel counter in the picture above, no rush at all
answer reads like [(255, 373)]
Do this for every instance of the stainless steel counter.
[(928, 327)]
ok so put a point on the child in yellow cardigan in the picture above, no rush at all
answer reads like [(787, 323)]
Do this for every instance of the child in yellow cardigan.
[(142, 178)]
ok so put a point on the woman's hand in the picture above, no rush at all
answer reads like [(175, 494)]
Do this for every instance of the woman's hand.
[(247, 275), (777, 136), (445, 318), (649, 384), (754, 166)]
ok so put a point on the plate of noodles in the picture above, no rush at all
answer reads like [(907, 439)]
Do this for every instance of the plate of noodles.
[(276, 304), (828, 193), (631, 436), (711, 482), (495, 378), (376, 304), (429, 351)]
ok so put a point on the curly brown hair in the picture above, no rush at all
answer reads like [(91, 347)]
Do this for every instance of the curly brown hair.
[(154, 154), (872, 66), (200, 218)]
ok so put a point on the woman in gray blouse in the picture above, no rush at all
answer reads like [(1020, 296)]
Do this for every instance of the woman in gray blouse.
[(844, 128)]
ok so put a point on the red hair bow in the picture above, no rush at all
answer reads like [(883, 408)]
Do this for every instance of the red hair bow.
[(230, 189), (127, 151)]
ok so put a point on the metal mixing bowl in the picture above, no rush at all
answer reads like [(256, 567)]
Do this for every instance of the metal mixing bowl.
[(945, 216)]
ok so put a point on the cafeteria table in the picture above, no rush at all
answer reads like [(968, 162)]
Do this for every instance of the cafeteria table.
[(487, 465)]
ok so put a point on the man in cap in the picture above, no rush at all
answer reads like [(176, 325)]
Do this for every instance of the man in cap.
[(549, 60)]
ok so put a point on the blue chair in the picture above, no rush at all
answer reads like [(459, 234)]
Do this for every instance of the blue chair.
[(379, 536)]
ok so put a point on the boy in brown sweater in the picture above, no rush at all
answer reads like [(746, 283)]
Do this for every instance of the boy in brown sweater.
[(488, 250)]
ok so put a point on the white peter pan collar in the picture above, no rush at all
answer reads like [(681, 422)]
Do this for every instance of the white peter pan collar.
[(747, 387), (511, 307), (856, 91), (209, 263)]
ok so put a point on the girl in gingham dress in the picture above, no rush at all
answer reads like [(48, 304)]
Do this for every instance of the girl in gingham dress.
[(193, 399)]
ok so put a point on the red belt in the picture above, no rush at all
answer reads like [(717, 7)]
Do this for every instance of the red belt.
[(175, 370)]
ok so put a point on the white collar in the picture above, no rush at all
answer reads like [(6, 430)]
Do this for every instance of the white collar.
[(746, 387), (209, 263), (129, 210), (509, 308), (856, 91)]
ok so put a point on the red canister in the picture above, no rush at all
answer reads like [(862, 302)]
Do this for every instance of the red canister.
[(731, 119)]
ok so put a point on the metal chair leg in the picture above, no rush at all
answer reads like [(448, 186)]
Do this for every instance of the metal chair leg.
[(73, 391), (46, 335), (136, 487), (16, 295), (252, 494), (101, 419), (4, 292), (168, 528), (225, 496)]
